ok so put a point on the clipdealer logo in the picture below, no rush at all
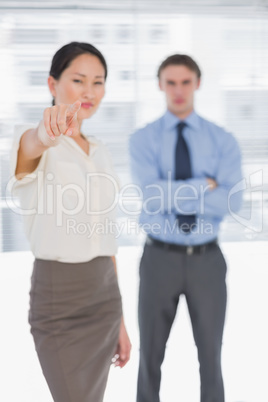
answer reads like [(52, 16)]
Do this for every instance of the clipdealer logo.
[(49, 198)]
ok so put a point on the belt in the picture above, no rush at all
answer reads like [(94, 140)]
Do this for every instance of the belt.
[(188, 250)]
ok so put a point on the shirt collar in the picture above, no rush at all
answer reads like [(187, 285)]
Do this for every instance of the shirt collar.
[(93, 144), (171, 121)]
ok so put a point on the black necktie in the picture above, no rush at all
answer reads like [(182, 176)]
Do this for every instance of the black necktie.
[(183, 171)]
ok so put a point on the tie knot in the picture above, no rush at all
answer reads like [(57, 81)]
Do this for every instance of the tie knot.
[(181, 125)]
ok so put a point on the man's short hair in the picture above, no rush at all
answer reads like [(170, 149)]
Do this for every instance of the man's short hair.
[(177, 60)]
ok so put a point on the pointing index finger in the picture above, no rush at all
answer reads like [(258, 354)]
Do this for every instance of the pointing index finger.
[(72, 109)]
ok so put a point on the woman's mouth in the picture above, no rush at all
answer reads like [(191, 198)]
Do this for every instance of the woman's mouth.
[(87, 105)]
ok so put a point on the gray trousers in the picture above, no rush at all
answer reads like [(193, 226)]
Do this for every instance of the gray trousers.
[(164, 276), (75, 315)]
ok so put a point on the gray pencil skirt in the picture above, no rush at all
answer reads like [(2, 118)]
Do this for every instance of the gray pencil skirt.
[(75, 314)]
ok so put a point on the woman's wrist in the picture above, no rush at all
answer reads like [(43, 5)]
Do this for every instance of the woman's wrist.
[(44, 138)]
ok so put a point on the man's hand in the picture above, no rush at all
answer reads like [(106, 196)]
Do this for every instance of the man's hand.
[(212, 183), (122, 354)]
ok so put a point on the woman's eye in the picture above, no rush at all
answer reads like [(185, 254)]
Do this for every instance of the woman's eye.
[(79, 81), (99, 83)]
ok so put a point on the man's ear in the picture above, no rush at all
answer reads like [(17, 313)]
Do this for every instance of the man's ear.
[(198, 83), (160, 85), (51, 85)]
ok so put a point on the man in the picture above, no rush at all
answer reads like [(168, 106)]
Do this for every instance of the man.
[(186, 167)]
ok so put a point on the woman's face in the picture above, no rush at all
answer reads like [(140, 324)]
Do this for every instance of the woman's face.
[(83, 80)]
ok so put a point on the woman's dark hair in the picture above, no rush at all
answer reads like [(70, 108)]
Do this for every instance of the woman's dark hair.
[(180, 59), (66, 54)]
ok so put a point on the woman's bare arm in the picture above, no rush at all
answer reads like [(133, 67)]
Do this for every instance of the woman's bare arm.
[(122, 353), (29, 153)]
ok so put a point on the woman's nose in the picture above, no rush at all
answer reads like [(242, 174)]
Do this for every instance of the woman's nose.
[(89, 91)]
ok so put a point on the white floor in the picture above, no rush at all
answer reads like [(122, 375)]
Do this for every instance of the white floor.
[(245, 349)]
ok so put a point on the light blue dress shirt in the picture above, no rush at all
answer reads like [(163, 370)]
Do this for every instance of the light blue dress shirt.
[(214, 154)]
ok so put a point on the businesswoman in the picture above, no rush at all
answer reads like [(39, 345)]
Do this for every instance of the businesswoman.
[(67, 187)]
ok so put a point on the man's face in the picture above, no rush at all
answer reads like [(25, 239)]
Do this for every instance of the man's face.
[(179, 84)]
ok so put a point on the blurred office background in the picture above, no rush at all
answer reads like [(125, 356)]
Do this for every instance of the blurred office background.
[(229, 40)]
